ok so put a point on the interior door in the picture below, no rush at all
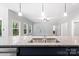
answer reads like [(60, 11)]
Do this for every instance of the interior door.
[(64, 29)]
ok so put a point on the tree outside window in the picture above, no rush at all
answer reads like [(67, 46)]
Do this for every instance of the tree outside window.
[(25, 28), (15, 28)]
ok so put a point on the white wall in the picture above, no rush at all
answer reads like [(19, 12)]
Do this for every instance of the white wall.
[(69, 27), (4, 16), (13, 16), (21, 20), (64, 29), (75, 26), (7, 16), (58, 29), (44, 28)]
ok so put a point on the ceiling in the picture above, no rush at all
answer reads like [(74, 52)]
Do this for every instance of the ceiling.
[(54, 11)]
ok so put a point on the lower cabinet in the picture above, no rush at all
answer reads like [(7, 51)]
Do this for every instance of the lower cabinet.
[(8, 51), (7, 54)]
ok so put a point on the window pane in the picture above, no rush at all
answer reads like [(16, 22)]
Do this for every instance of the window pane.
[(25, 31), (15, 32), (25, 28), (0, 27), (15, 28), (15, 25), (30, 28)]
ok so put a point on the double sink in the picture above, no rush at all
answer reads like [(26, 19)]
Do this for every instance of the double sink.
[(44, 40)]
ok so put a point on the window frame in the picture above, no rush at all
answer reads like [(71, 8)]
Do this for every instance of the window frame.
[(16, 28), (26, 28), (1, 27), (30, 28)]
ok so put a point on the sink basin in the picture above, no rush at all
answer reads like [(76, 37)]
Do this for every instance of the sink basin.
[(37, 40), (44, 40), (51, 40)]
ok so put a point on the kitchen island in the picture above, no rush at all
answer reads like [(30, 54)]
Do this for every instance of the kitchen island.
[(30, 45), (41, 41)]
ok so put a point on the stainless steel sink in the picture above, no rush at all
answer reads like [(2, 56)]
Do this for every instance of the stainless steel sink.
[(44, 40)]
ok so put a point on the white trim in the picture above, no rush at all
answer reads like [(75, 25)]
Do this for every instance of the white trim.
[(73, 21), (31, 29), (17, 28), (26, 28), (61, 29), (2, 29), (66, 26), (72, 30)]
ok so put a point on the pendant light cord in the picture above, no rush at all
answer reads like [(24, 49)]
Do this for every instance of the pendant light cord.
[(42, 7), (20, 7), (65, 7)]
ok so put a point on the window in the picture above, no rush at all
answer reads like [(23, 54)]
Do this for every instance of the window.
[(30, 29), (25, 28), (15, 28), (0, 27)]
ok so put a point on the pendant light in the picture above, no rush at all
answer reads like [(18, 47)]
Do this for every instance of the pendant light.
[(65, 12), (20, 10), (43, 13), (42, 10)]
